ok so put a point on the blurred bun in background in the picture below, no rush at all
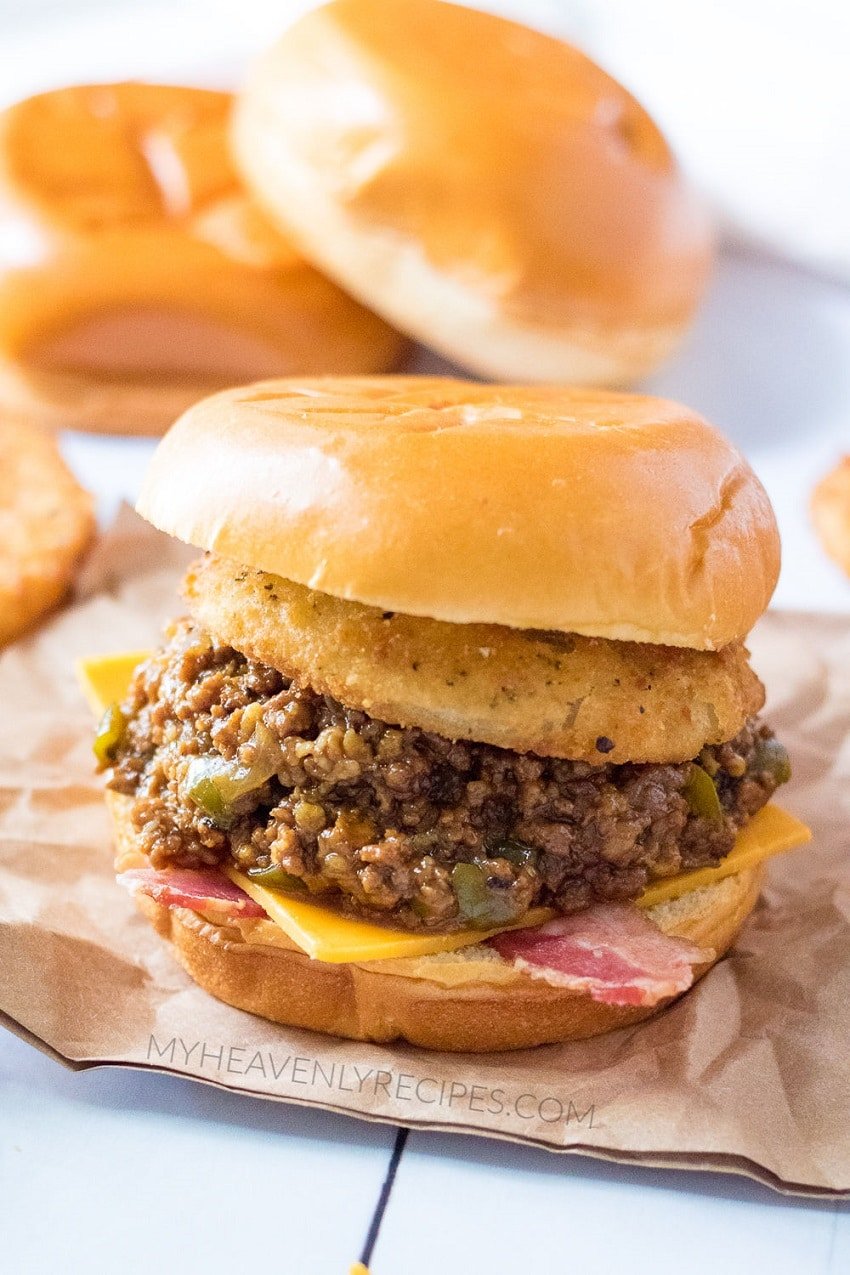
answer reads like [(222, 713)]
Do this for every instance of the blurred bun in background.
[(830, 508), (137, 275), (486, 188)]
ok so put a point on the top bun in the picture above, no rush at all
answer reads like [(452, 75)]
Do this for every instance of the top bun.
[(487, 188), (612, 515)]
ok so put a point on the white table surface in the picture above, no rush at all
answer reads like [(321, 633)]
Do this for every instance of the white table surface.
[(120, 1171)]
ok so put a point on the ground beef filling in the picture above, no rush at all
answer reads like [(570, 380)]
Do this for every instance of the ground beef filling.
[(228, 761)]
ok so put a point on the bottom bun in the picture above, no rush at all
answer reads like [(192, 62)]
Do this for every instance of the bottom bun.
[(98, 405), (491, 1007)]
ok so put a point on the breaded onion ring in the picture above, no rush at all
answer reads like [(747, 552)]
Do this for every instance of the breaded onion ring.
[(46, 524), (556, 694)]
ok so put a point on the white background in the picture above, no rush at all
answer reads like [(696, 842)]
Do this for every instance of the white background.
[(119, 1171)]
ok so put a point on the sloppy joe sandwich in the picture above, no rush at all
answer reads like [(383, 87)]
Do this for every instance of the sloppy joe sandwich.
[(136, 272), (457, 740), (485, 187)]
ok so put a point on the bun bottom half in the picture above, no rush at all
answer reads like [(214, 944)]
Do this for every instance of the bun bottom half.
[(282, 984)]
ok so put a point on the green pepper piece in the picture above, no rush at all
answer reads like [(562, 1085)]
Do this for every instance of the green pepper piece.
[(516, 852), (216, 784), (110, 732), (205, 790), (773, 757), (701, 794), (276, 878), (478, 903)]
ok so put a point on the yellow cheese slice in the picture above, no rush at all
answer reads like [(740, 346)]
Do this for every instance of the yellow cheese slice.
[(105, 679), (327, 936)]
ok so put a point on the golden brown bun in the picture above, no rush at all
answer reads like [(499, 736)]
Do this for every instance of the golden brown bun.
[(487, 188), (46, 524), (136, 275), (453, 1002), (528, 690), (545, 507), (831, 513)]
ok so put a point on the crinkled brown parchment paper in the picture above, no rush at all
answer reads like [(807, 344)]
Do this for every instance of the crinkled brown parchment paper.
[(748, 1073)]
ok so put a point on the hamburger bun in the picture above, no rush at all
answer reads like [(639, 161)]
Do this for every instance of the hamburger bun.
[(138, 275), (464, 1000), (613, 516), (487, 188), (830, 508)]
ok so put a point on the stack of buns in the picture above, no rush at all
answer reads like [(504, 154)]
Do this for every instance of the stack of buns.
[(137, 274), (528, 221)]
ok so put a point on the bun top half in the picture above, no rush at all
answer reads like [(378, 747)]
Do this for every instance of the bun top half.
[(487, 188), (612, 515)]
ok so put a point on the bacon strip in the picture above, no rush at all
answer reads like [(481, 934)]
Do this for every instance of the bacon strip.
[(185, 888), (611, 951)]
